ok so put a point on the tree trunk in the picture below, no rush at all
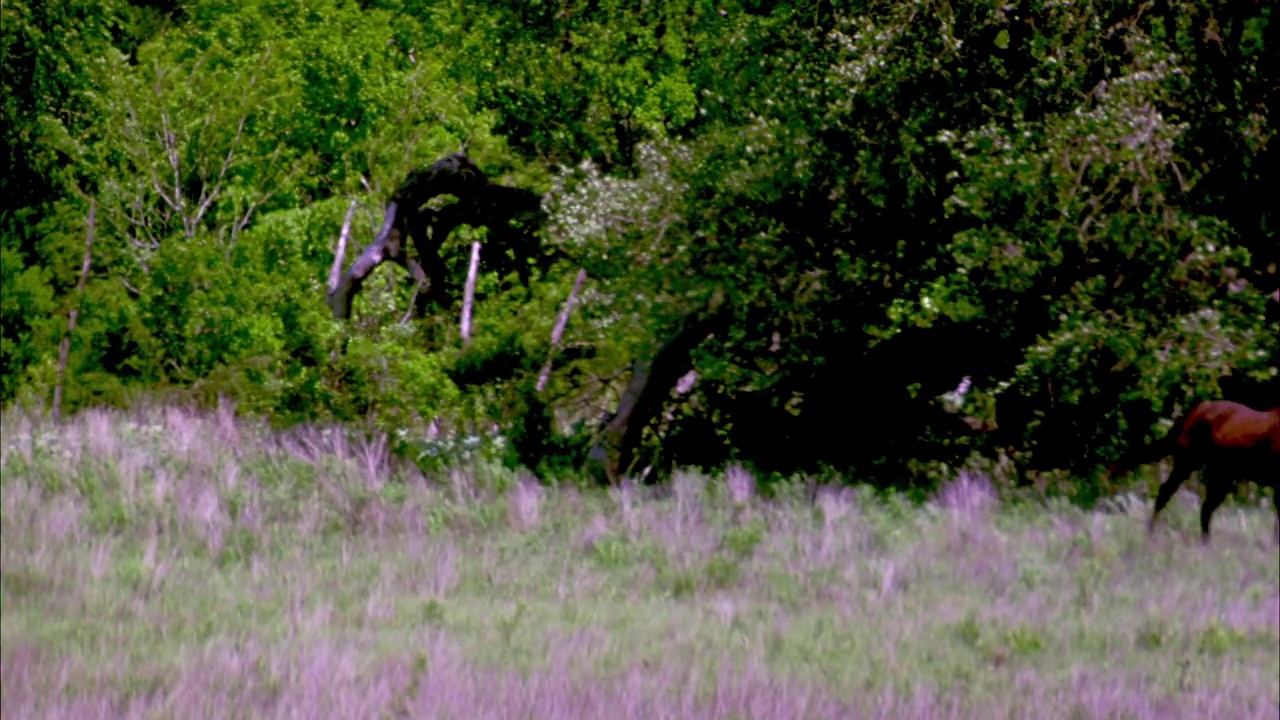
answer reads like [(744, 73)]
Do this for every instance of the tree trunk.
[(64, 351), (651, 382)]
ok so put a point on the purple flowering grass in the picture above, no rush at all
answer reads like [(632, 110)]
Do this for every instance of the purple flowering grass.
[(166, 563)]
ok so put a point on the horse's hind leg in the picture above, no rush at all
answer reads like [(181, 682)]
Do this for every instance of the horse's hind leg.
[(1216, 489), (1275, 506), (1182, 468), (1275, 497)]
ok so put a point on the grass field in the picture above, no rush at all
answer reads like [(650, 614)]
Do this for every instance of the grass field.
[(165, 564)]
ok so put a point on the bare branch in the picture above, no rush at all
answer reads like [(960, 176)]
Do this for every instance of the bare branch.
[(207, 199), (170, 140), (170, 201), (469, 293), (386, 246), (339, 254), (1182, 184), (557, 332), (243, 222), (413, 299), (411, 217)]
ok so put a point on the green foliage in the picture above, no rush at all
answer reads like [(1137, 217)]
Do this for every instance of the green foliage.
[(26, 309), (1083, 188), (1039, 198), (613, 551), (214, 231), (723, 572), (1087, 204), (1215, 639), (1024, 640), (50, 49), (742, 540)]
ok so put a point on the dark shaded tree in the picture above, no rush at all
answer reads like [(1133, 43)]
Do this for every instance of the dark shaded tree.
[(512, 215), (616, 448)]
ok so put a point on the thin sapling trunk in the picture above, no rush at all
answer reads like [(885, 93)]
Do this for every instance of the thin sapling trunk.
[(64, 351), (557, 332), (469, 293)]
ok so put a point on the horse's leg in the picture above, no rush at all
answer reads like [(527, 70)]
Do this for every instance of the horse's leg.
[(1275, 495), (1182, 467), (1275, 506), (1217, 486)]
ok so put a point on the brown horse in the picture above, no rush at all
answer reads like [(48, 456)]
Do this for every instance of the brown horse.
[(1230, 442)]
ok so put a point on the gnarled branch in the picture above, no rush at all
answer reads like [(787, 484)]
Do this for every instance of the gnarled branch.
[(512, 215), (652, 379)]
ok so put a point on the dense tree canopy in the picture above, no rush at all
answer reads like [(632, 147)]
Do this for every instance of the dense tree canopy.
[(802, 224)]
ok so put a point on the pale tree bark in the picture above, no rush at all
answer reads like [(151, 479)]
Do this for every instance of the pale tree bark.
[(64, 351), (512, 216), (335, 272), (343, 286), (469, 293), (557, 332)]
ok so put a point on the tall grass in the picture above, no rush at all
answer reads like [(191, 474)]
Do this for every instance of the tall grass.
[(172, 564)]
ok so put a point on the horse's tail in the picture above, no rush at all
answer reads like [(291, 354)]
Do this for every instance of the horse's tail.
[(1156, 451)]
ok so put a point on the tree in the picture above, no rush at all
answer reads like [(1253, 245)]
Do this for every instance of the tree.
[(512, 215)]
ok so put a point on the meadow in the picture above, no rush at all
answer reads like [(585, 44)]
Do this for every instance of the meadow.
[(165, 563)]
